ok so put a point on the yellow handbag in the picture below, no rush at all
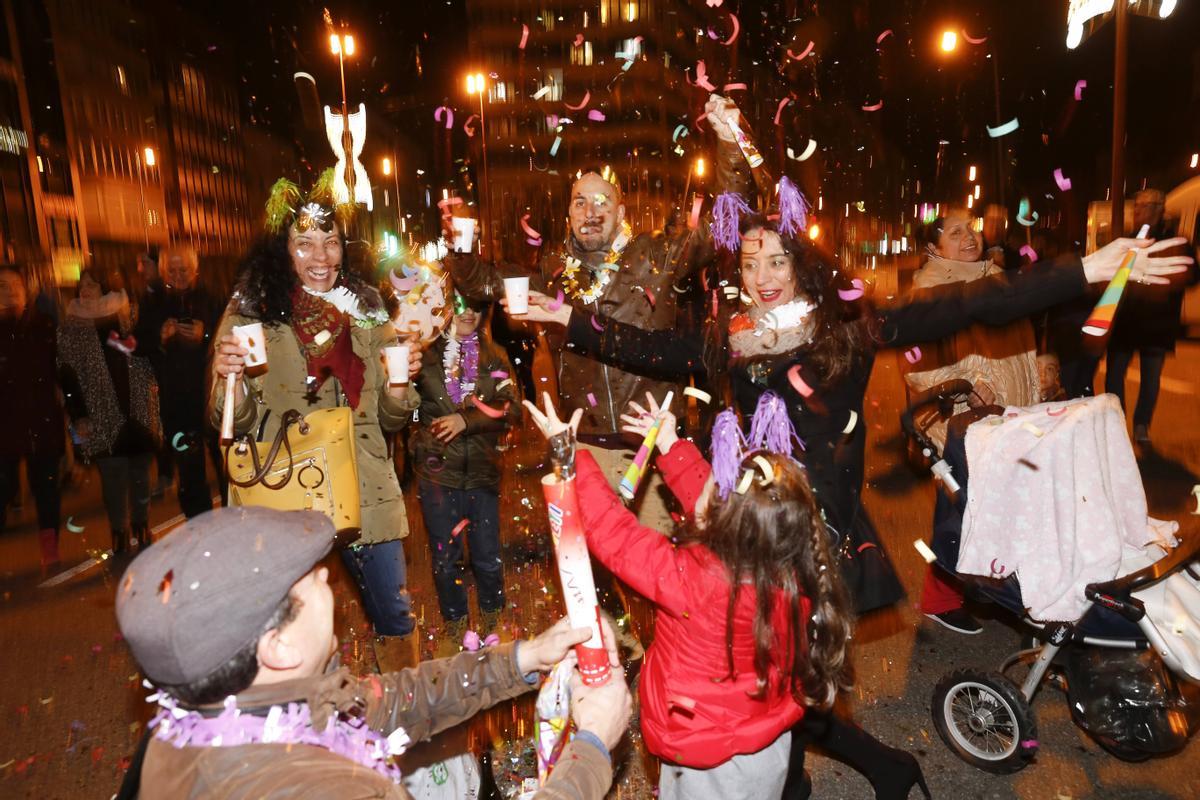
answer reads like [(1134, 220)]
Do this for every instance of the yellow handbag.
[(317, 470)]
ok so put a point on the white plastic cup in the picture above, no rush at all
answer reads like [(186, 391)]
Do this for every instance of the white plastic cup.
[(464, 234), (252, 338), (396, 356), (516, 291)]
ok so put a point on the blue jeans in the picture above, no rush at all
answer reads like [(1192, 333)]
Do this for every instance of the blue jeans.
[(379, 571), (444, 508)]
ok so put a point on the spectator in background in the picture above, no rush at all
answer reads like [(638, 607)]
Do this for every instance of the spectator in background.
[(1147, 322), (174, 330), (33, 412), (113, 401)]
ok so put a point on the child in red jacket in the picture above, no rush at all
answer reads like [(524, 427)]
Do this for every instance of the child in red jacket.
[(729, 672)]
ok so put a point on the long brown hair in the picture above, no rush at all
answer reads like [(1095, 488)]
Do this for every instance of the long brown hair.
[(771, 538)]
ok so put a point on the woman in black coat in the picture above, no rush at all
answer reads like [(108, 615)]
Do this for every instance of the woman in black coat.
[(811, 339)]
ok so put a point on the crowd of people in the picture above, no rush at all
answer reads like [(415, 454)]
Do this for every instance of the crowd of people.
[(750, 597)]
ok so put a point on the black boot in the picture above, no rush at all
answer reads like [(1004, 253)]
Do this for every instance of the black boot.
[(141, 533), (799, 784), (892, 772), (120, 542)]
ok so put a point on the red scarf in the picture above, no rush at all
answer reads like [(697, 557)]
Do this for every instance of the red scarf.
[(333, 356)]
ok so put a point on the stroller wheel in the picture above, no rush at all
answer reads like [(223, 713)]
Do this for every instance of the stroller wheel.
[(985, 720)]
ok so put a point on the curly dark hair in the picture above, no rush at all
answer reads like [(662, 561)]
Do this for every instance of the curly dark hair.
[(266, 280)]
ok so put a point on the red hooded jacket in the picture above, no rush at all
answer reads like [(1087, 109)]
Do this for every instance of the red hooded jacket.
[(693, 712)]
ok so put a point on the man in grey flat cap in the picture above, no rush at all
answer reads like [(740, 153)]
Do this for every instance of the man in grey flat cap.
[(230, 616)]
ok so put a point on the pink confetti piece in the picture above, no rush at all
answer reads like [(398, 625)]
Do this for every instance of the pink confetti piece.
[(524, 37), (529, 231), (1029, 252), (469, 125), (494, 413), (850, 295), (1056, 412), (578, 39), (803, 55), (649, 296), (591, 398), (694, 217), (737, 28), (596, 115), (794, 378), (444, 113), (1029, 744), (587, 96), (971, 39), (879, 39), (596, 324), (460, 527), (874, 107), (715, 3), (912, 356), (1079, 87), (779, 110), (533, 242), (731, 87), (1064, 183), (702, 77), (556, 303)]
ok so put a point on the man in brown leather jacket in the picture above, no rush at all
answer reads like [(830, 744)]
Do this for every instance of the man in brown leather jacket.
[(603, 268), (231, 617)]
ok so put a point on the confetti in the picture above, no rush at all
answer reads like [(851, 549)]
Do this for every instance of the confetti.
[(733, 87), (1079, 87), (971, 39), (1064, 183), (874, 107), (1035, 430), (912, 356), (542, 92), (1029, 252), (596, 115), (503, 383), (702, 396), (694, 217), (850, 295), (176, 439), (554, 146), (744, 483), (460, 527), (591, 398), (804, 54), (737, 28), (809, 149), (850, 423), (499, 373), (702, 77), (802, 388), (494, 413), (779, 110), (1005, 129), (524, 37), (649, 296), (879, 39), (596, 323), (925, 552), (444, 112), (529, 231), (469, 126), (768, 471), (556, 303), (72, 527), (1196, 494), (587, 96)]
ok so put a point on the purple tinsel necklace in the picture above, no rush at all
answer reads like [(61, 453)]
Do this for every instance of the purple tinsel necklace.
[(461, 362), (350, 739)]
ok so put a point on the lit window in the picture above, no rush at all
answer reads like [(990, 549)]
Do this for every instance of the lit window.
[(630, 49), (581, 56)]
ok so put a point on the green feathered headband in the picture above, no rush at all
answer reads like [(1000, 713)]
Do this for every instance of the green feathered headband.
[(286, 206)]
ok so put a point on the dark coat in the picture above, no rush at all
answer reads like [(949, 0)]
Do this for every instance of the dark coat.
[(33, 416), (470, 460), (180, 366)]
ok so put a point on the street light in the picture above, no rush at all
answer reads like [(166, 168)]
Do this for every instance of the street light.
[(949, 41), (149, 154), (971, 174), (342, 46), (699, 167), (477, 84), (145, 159)]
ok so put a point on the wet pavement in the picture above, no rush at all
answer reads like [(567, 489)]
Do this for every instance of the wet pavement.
[(73, 707)]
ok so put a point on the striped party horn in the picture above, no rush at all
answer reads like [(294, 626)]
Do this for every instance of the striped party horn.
[(633, 475), (1099, 322)]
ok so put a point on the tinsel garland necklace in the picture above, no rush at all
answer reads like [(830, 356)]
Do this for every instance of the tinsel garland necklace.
[(350, 739), (574, 270), (460, 364)]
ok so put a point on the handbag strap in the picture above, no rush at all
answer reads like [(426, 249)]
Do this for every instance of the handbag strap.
[(263, 468)]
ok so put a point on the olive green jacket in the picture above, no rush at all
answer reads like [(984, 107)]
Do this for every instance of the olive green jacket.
[(283, 387)]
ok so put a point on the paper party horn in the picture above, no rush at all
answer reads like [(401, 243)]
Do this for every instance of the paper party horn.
[(1100, 320), (633, 475)]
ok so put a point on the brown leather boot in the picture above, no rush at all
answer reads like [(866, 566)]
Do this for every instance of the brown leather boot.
[(394, 653)]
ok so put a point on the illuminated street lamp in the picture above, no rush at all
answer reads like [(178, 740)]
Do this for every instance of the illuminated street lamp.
[(949, 41), (477, 84), (971, 174), (948, 44), (149, 156), (699, 167), (145, 160), (342, 45)]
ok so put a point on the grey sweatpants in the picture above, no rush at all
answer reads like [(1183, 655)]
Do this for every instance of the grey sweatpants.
[(756, 776)]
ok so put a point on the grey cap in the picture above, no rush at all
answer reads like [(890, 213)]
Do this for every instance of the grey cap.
[(190, 602)]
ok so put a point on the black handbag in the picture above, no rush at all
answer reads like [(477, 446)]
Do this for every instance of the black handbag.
[(867, 572)]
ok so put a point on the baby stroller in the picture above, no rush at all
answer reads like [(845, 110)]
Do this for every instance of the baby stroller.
[(1130, 679)]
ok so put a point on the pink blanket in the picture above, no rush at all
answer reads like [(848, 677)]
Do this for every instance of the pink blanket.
[(1054, 496)]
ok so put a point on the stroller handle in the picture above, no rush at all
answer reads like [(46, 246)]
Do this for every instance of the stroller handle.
[(938, 393), (1117, 594)]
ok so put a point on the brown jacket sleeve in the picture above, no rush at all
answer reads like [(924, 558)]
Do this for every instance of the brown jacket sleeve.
[(582, 773), (439, 694)]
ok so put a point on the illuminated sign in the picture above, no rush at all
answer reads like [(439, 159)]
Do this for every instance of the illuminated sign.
[(1082, 12), (13, 140), (335, 128)]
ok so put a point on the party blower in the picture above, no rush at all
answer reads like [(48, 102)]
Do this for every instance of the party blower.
[(633, 475), (1100, 320), (574, 564)]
